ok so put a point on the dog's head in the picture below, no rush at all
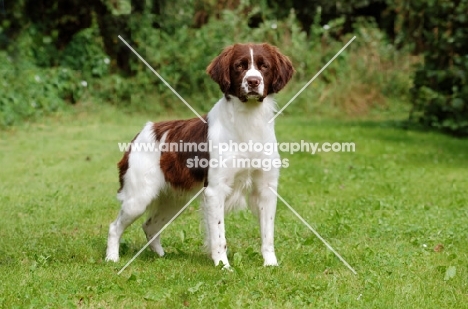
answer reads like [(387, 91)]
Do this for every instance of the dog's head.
[(250, 71)]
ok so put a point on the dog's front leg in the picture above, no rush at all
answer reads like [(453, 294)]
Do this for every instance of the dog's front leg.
[(267, 205), (263, 202), (213, 208)]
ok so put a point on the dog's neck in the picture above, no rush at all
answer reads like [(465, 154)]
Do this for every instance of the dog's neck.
[(244, 121)]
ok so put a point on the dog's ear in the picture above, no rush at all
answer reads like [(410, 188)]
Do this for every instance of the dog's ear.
[(283, 68), (219, 69)]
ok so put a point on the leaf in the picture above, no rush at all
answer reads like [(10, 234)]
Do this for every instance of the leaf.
[(182, 235), (309, 241), (458, 103), (157, 295), (450, 273), (237, 258), (151, 297), (250, 252), (194, 289), (46, 40)]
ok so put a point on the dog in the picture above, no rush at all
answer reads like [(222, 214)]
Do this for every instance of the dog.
[(161, 182)]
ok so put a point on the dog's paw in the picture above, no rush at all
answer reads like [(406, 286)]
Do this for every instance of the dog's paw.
[(112, 258), (158, 249), (223, 264), (160, 252), (270, 259)]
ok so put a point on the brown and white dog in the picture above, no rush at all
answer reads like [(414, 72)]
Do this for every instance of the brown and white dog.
[(161, 182)]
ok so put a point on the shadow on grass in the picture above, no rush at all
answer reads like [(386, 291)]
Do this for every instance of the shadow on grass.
[(194, 257)]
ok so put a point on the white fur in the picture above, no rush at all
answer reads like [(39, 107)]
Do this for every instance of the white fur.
[(227, 187)]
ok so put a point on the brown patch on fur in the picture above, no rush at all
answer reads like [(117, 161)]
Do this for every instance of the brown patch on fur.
[(218, 69), (282, 67), (123, 165), (174, 163)]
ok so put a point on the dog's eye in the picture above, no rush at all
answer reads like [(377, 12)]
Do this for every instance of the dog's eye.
[(263, 66), (240, 66)]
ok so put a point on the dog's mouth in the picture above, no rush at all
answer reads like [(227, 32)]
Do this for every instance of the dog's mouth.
[(252, 96)]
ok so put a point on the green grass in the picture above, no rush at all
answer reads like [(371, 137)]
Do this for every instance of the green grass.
[(384, 208)]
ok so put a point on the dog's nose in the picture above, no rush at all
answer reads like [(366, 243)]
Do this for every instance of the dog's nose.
[(253, 81)]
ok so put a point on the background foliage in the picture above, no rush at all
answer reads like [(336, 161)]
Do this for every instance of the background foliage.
[(59, 52), (440, 92)]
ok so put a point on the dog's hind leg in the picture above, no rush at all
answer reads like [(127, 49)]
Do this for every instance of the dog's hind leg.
[(161, 212), (141, 182), (132, 209)]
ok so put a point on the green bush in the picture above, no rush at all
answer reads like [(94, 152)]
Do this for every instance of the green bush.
[(85, 53), (37, 78), (440, 92), (28, 91)]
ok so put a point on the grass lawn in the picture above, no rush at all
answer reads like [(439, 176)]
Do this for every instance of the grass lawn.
[(396, 210)]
